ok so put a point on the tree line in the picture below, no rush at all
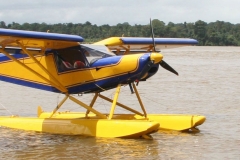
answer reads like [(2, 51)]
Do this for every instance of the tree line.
[(217, 33)]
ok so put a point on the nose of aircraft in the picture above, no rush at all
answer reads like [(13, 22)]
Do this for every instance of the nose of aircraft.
[(156, 57)]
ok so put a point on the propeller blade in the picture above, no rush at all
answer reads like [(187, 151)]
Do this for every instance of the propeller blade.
[(162, 63), (154, 48), (167, 67)]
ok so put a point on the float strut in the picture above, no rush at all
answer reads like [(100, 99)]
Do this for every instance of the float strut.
[(87, 107), (59, 105), (131, 89), (114, 101), (139, 100), (92, 103), (121, 105)]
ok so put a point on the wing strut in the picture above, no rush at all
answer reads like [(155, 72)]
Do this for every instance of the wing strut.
[(62, 88), (33, 71)]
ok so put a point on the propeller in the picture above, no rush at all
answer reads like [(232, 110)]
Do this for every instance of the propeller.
[(162, 62), (167, 67)]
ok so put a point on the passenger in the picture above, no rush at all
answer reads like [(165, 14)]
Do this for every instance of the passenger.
[(67, 65)]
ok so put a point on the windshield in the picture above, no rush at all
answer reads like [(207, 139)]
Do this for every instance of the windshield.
[(95, 52)]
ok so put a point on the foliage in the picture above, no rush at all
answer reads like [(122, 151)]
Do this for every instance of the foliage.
[(217, 33)]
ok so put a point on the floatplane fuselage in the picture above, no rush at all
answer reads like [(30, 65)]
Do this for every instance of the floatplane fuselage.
[(60, 63)]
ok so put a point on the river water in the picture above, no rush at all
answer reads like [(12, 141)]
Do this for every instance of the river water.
[(208, 84)]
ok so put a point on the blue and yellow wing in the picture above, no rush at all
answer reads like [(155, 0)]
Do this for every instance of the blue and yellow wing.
[(144, 44), (34, 69), (41, 40)]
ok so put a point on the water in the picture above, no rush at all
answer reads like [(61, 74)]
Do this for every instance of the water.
[(208, 84)]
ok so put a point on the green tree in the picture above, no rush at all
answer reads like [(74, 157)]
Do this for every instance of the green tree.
[(3, 24), (200, 31), (214, 33)]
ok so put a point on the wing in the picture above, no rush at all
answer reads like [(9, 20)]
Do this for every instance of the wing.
[(35, 69), (140, 43), (41, 40)]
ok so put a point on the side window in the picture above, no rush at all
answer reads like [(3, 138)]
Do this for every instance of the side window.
[(95, 52), (69, 59)]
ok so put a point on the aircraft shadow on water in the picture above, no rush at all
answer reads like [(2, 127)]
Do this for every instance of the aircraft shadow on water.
[(61, 63)]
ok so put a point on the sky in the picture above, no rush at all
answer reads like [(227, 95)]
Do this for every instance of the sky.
[(112, 12)]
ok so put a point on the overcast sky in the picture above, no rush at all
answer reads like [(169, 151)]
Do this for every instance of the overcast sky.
[(113, 12)]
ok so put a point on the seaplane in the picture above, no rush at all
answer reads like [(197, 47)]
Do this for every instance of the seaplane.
[(62, 63)]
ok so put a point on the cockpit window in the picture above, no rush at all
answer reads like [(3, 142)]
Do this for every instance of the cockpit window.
[(96, 52), (70, 59), (79, 57)]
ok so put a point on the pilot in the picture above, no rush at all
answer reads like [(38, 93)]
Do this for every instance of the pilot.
[(78, 64)]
